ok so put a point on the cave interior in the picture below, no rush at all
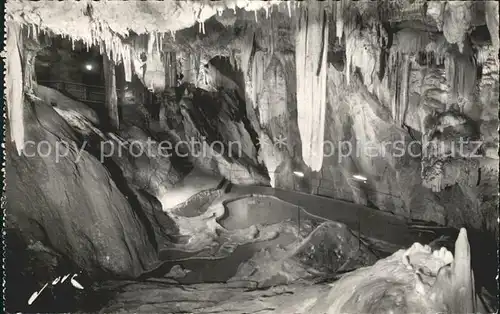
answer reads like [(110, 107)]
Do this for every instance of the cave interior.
[(241, 156)]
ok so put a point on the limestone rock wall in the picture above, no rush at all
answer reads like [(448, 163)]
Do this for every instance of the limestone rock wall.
[(400, 97)]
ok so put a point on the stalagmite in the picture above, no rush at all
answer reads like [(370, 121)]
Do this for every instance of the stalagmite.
[(270, 156), (110, 89), (14, 85), (201, 27), (462, 276), (311, 51)]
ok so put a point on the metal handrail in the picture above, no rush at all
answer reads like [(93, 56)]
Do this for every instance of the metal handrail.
[(82, 92), (71, 83)]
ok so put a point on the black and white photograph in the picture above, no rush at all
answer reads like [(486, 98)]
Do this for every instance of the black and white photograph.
[(250, 157)]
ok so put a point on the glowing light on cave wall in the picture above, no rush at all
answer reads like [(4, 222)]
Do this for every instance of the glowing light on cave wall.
[(310, 54)]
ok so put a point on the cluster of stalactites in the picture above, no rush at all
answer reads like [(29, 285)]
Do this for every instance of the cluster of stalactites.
[(460, 75)]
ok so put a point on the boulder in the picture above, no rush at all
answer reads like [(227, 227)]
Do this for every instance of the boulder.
[(62, 196)]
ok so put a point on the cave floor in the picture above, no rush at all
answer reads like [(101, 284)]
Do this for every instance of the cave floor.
[(196, 181), (383, 232)]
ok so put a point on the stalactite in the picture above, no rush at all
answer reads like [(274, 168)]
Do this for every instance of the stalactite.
[(14, 85), (127, 63), (398, 83), (151, 43), (339, 19), (405, 80), (258, 68), (246, 52), (349, 48), (110, 90), (186, 66), (196, 65), (395, 81), (170, 63), (311, 51), (158, 49), (450, 78)]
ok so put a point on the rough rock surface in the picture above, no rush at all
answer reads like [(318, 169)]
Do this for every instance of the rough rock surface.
[(329, 249), (64, 103), (71, 203), (216, 137)]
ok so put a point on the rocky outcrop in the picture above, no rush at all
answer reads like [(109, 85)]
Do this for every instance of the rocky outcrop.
[(417, 280), (328, 250), (68, 201), (217, 136), (144, 162)]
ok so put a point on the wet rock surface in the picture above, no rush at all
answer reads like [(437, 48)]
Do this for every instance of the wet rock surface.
[(73, 200)]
